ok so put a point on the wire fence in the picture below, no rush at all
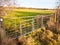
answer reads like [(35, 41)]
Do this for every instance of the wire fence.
[(16, 27)]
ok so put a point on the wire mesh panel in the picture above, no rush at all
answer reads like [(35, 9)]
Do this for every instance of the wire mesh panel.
[(45, 19), (41, 21)]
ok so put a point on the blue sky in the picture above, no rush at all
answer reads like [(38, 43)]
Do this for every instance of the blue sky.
[(37, 3)]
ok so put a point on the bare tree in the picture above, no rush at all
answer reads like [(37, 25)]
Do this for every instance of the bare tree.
[(4, 3)]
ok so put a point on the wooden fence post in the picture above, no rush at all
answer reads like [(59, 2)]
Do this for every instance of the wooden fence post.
[(1, 23), (42, 21)]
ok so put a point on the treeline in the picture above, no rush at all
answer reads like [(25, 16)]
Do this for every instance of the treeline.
[(29, 8)]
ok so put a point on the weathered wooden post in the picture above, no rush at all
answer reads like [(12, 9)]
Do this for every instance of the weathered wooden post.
[(1, 22), (42, 21), (2, 13), (58, 18)]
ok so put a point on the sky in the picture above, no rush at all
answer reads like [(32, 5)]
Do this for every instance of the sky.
[(37, 3)]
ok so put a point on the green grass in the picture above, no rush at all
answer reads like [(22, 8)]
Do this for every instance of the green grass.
[(27, 12), (21, 13)]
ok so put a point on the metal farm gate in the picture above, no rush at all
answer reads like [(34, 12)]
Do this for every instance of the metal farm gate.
[(16, 27)]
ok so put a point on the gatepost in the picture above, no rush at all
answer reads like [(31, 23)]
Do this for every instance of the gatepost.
[(1, 22)]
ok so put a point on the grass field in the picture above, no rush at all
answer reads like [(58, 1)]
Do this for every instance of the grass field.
[(27, 12)]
